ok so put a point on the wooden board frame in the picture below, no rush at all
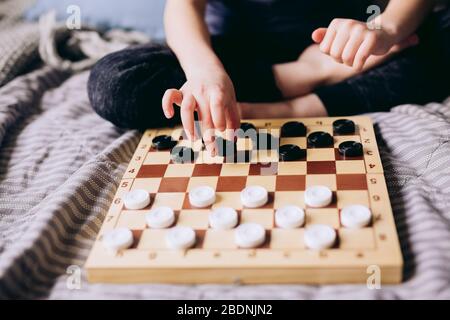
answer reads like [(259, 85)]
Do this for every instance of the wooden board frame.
[(264, 265)]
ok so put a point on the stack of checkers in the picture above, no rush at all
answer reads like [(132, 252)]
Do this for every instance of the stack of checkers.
[(235, 190)]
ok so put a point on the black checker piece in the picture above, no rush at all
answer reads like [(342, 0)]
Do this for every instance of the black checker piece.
[(247, 130), (183, 155), (266, 141), (351, 149), (320, 139), (225, 148), (163, 142), (291, 152), (344, 126), (293, 129)]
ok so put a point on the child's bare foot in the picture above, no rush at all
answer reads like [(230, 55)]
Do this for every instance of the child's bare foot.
[(330, 71), (314, 69), (302, 107)]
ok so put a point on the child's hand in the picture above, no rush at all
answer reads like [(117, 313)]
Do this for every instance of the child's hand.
[(351, 42), (211, 93)]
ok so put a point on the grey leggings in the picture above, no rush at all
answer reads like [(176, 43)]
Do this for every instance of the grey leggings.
[(126, 87)]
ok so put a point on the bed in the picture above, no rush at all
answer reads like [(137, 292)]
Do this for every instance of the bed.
[(60, 165)]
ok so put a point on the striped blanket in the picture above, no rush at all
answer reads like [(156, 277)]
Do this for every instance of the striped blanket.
[(60, 165)]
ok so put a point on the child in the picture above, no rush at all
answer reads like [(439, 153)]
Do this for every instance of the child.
[(260, 53)]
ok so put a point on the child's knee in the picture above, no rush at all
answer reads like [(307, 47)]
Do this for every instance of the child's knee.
[(103, 87), (126, 87)]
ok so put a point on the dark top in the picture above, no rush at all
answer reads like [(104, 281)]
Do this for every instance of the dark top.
[(278, 16)]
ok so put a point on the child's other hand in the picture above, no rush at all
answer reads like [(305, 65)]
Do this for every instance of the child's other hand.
[(211, 94), (351, 42)]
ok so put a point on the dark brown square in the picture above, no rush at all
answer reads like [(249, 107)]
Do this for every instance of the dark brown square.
[(266, 244), (187, 204), (351, 182), (338, 156), (240, 156), (207, 170), (333, 204), (173, 185), (136, 238), (269, 204), (200, 238), (231, 184), (152, 171), (321, 167), (290, 183), (263, 169)]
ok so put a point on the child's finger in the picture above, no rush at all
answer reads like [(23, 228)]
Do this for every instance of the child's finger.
[(217, 103), (353, 44), (327, 41), (319, 34), (171, 96), (233, 117), (207, 125), (339, 43), (187, 115), (364, 52)]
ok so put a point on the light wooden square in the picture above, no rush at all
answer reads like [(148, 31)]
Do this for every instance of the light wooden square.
[(264, 217), (287, 239), (196, 219), (285, 198), (179, 170), (157, 158), (268, 182), (205, 157), (264, 156), (299, 141), (244, 144), (291, 168), (346, 198), (320, 154), (177, 134), (350, 166), (228, 199), (275, 132), (324, 128), (196, 145), (149, 184), (202, 181), (322, 216), (172, 200), (165, 132), (132, 219), (153, 239), (235, 169), (356, 238), (339, 139), (327, 180), (219, 239)]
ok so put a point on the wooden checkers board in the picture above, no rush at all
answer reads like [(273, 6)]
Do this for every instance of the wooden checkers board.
[(283, 258)]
